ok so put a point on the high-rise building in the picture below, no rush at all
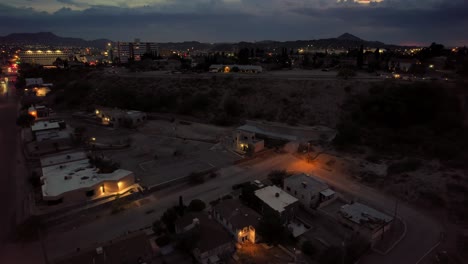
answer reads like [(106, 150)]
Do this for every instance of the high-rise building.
[(134, 50)]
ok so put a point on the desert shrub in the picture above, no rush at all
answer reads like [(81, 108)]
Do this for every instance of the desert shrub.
[(158, 227), (452, 187), (346, 73), (277, 177), (331, 255), (404, 166), (169, 217), (163, 240), (25, 120), (232, 107), (197, 205), (226, 197), (433, 197), (308, 248)]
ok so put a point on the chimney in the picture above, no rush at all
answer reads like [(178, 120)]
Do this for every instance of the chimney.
[(304, 184), (276, 195)]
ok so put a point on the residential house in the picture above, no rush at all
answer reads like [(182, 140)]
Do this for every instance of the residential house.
[(49, 136), (212, 244), (238, 219), (245, 141), (368, 222), (276, 201), (39, 111), (312, 192), (118, 117), (236, 68), (71, 178)]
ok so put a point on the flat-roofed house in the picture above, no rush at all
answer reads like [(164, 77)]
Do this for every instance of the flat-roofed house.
[(312, 192), (119, 117), (238, 219), (212, 243), (70, 178), (245, 141), (368, 222), (276, 201)]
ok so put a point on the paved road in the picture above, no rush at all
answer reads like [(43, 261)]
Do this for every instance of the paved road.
[(422, 230), (422, 233), (8, 140)]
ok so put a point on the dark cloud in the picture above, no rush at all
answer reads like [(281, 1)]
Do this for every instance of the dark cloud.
[(393, 21)]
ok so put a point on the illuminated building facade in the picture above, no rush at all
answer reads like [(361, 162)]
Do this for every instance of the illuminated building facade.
[(126, 51), (41, 57)]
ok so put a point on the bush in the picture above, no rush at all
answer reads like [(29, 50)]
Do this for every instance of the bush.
[(433, 197), (25, 120), (158, 227), (331, 255), (277, 177), (168, 218), (308, 248), (345, 73), (35, 180), (196, 205), (404, 166), (227, 197), (232, 107), (163, 240)]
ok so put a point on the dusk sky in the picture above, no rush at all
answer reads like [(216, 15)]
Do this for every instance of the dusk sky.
[(390, 21)]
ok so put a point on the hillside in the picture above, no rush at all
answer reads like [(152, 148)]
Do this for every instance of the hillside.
[(50, 39)]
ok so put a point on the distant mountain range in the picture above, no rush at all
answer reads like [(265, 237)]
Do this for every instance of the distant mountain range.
[(345, 41), (50, 39)]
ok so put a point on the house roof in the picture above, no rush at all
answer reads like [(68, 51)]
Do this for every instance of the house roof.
[(74, 175), (364, 215), (276, 198), (211, 233), (304, 181), (237, 214), (62, 158), (44, 125)]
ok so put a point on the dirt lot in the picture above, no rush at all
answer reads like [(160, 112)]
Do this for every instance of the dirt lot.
[(160, 151)]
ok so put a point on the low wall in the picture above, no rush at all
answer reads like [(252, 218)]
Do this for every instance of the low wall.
[(179, 180), (255, 156)]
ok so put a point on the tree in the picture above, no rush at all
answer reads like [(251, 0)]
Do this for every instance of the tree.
[(232, 107), (248, 195), (158, 227), (25, 120), (360, 57), (345, 73), (196, 205), (308, 248), (277, 177), (331, 255), (271, 228), (168, 218)]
